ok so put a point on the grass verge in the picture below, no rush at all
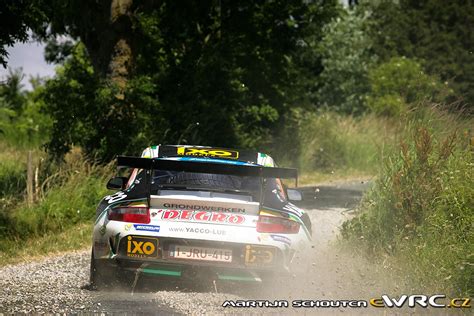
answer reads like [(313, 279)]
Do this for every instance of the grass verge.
[(417, 220), (61, 218), (16, 250)]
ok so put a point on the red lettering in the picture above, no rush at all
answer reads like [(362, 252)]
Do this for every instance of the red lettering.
[(218, 217), (186, 214), (236, 219), (170, 214), (201, 216)]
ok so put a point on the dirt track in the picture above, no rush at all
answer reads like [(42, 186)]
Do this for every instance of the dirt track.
[(59, 284)]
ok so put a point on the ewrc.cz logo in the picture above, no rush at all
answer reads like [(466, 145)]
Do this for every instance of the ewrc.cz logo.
[(437, 301), (412, 301)]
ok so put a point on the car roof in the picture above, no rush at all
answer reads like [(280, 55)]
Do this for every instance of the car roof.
[(209, 154)]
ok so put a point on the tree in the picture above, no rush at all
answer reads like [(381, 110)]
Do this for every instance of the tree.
[(347, 57), (218, 73), (11, 94), (436, 33), (16, 17)]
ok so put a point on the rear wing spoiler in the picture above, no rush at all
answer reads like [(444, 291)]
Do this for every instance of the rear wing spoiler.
[(207, 167)]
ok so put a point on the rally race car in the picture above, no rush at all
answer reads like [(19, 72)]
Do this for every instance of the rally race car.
[(191, 210)]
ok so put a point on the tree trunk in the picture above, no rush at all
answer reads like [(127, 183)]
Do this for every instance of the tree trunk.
[(121, 60), (109, 41)]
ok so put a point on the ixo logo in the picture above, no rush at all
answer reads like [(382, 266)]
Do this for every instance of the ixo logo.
[(136, 248)]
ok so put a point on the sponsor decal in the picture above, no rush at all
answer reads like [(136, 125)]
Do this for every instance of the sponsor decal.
[(102, 230), (127, 227), (217, 160), (142, 247), (202, 216), (207, 152), (282, 239), (206, 231), (262, 237), (258, 255), (204, 208), (150, 228), (115, 197)]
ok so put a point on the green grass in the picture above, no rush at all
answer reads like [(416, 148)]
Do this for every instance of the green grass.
[(418, 217), (69, 195), (17, 250), (327, 146)]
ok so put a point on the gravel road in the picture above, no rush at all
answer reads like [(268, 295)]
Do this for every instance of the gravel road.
[(59, 284)]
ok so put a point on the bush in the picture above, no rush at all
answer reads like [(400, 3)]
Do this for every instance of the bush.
[(419, 215), (400, 83)]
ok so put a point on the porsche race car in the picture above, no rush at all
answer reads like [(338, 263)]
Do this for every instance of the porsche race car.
[(190, 210)]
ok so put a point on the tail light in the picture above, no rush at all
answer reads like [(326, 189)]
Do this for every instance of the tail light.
[(130, 214), (271, 224)]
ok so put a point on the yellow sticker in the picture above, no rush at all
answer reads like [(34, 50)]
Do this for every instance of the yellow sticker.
[(142, 247), (258, 255), (207, 152)]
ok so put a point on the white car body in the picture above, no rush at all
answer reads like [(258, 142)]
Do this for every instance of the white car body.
[(198, 229)]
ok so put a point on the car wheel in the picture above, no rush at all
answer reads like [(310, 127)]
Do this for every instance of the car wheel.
[(101, 276)]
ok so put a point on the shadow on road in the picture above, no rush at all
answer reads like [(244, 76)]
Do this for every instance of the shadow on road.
[(338, 196)]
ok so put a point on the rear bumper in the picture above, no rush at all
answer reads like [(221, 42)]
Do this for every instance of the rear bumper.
[(249, 262), (193, 271)]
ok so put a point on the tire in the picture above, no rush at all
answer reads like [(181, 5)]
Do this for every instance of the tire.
[(102, 276), (206, 180), (96, 277)]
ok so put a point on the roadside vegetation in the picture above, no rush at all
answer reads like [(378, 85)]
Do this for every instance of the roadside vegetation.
[(382, 90), (417, 219)]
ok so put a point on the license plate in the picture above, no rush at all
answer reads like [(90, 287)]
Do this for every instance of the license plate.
[(200, 253)]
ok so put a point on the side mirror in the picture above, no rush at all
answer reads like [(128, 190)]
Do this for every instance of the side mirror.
[(117, 183), (294, 195)]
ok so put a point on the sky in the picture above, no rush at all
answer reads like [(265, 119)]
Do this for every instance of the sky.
[(28, 56)]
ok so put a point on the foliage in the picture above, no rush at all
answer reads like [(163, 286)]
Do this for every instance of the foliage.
[(76, 181), (418, 216), (399, 83), (221, 74), (347, 55), (329, 141), (435, 32), (11, 95), (70, 100), (12, 178), (22, 122), (16, 17)]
